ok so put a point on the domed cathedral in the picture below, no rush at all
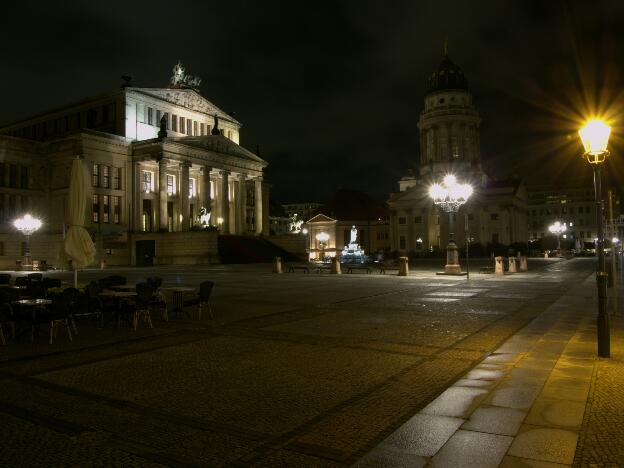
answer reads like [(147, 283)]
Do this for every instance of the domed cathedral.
[(449, 124)]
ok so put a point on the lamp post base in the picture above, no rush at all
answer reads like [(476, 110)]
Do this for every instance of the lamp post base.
[(452, 266)]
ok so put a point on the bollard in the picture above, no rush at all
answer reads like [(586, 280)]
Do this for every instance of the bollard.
[(335, 267), (545, 254), (523, 264), (403, 266), (512, 265), (277, 265), (499, 269)]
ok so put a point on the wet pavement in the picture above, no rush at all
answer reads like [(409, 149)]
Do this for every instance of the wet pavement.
[(316, 370)]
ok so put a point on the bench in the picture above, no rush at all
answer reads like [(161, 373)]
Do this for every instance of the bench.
[(321, 269), (350, 269), (383, 269), (292, 268), (486, 269)]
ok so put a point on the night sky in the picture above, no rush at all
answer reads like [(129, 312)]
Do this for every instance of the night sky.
[(332, 91)]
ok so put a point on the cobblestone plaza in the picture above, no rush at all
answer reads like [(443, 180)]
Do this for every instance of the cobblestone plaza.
[(310, 370)]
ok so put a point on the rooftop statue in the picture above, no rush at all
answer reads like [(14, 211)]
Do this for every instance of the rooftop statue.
[(181, 79)]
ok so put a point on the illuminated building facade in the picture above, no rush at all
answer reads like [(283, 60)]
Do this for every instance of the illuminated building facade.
[(450, 143), (161, 162)]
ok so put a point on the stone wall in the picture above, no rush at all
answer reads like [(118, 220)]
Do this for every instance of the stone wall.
[(292, 243), (180, 248)]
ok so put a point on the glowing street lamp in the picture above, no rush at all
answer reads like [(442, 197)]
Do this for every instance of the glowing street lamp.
[(557, 229), (595, 138), (27, 225), (450, 195)]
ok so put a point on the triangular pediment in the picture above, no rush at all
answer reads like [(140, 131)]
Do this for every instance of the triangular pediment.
[(187, 98), (219, 144), (321, 218)]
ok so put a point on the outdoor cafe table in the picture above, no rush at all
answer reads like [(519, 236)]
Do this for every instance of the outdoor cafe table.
[(34, 305), (119, 296), (177, 297)]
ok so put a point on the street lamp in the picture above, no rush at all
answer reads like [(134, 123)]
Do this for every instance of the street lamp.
[(557, 229), (595, 138), (450, 195), (27, 225), (322, 238)]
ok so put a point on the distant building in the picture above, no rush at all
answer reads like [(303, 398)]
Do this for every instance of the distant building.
[(450, 143), (573, 205), (279, 221), (161, 162), (304, 211)]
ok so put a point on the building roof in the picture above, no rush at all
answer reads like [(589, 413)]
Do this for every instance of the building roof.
[(448, 76), (218, 144)]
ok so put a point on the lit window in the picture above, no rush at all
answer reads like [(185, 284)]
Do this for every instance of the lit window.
[(181, 124), (105, 179), (402, 220), (194, 128), (95, 180), (158, 117), (191, 188), (174, 122), (170, 185), (95, 209), (150, 116), (202, 129), (189, 128), (116, 178), (148, 181), (116, 210), (105, 208)]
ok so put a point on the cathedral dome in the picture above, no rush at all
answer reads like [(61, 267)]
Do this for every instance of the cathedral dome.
[(447, 76)]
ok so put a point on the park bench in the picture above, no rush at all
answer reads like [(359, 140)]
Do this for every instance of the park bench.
[(321, 269), (486, 269), (292, 268), (351, 269)]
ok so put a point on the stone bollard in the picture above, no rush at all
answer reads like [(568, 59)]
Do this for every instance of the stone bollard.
[(499, 269), (277, 265), (403, 266), (335, 266), (545, 254), (523, 264), (512, 265)]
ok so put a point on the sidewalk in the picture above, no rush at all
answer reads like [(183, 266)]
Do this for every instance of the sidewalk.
[(542, 399)]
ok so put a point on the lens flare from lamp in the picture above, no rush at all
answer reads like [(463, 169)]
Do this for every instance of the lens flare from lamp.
[(437, 192), (595, 136), (449, 180), (27, 225)]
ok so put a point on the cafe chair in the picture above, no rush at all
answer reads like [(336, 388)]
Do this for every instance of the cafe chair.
[(71, 296), (158, 298), (203, 300), (94, 303), (59, 315), (21, 281), (142, 305), (5, 278), (35, 277)]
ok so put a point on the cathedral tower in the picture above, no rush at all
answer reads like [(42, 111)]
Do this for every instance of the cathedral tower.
[(449, 124)]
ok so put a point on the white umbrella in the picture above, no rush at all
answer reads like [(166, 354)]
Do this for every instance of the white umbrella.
[(78, 244)]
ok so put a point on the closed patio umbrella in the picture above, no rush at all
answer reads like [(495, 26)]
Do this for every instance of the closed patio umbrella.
[(78, 244)]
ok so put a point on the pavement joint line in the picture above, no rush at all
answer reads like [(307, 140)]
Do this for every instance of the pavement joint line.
[(49, 422)]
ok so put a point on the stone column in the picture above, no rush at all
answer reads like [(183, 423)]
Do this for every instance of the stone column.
[(162, 194), (225, 203), (242, 204), (138, 199), (206, 200), (258, 206), (409, 217), (184, 195)]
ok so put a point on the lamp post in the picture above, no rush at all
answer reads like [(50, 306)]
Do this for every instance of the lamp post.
[(557, 228), (305, 231), (595, 138), (27, 225), (450, 195)]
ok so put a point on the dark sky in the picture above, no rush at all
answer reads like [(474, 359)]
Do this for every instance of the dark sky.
[(332, 91)]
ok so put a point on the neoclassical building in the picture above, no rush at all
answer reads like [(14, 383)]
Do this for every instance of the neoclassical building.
[(450, 144), (166, 171)]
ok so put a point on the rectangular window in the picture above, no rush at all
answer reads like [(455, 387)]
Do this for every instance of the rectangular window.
[(170, 185), (229, 134), (147, 182), (166, 116), (158, 117), (494, 216), (12, 176), (95, 209), (208, 129), (24, 177), (174, 122), (11, 206), (105, 208), (116, 178), (116, 210), (418, 219), (202, 129), (95, 176), (189, 128), (191, 188), (150, 116), (401, 220), (402, 242), (170, 216), (181, 124), (194, 128), (105, 178)]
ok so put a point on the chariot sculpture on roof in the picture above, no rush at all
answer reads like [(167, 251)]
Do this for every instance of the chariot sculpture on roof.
[(181, 79)]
